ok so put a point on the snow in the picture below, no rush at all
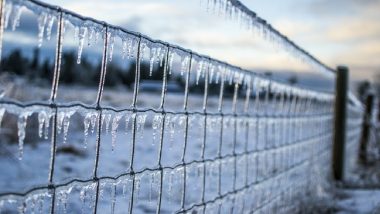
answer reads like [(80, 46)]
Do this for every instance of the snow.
[(359, 201)]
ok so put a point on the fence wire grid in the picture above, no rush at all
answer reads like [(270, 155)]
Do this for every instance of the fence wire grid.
[(228, 141)]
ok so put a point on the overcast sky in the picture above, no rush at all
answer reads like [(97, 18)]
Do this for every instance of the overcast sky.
[(337, 32)]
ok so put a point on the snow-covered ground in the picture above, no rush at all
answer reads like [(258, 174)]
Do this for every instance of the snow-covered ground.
[(359, 201)]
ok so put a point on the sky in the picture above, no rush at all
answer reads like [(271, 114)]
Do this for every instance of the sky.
[(336, 32)]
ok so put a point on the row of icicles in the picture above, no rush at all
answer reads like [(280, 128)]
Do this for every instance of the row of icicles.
[(234, 10), (90, 32), (110, 121), (36, 202)]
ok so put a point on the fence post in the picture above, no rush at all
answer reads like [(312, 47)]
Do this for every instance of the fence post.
[(341, 85), (366, 129)]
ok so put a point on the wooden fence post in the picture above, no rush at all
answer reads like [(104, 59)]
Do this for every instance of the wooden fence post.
[(366, 129), (341, 91)]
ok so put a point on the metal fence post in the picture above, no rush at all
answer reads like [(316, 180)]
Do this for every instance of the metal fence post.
[(366, 129), (340, 122)]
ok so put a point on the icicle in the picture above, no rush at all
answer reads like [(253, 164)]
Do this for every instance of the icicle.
[(127, 119), (41, 28), (94, 117), (60, 118), (113, 197), (124, 48), (218, 74), (47, 125), (21, 125), (171, 59), (111, 42), (212, 71), (43, 124), (7, 13), (171, 127), (129, 48), (199, 71), (90, 35), (156, 124), (86, 122), (152, 59), (49, 27), (115, 125), (184, 64), (81, 35), (102, 121), (66, 124), (16, 17), (106, 119), (42, 115), (140, 125), (160, 56)]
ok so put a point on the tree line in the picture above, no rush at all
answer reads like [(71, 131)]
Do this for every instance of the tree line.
[(87, 73)]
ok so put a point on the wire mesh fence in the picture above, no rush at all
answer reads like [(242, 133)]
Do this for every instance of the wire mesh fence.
[(189, 134)]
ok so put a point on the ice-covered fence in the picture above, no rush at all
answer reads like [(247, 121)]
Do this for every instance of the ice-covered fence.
[(355, 117), (225, 140)]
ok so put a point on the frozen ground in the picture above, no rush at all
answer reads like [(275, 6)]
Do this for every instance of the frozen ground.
[(359, 201)]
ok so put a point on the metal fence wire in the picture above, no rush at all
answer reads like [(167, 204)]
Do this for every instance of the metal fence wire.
[(228, 141)]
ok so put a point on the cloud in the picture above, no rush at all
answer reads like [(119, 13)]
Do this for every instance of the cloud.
[(292, 28), (365, 53), (340, 7), (355, 30)]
